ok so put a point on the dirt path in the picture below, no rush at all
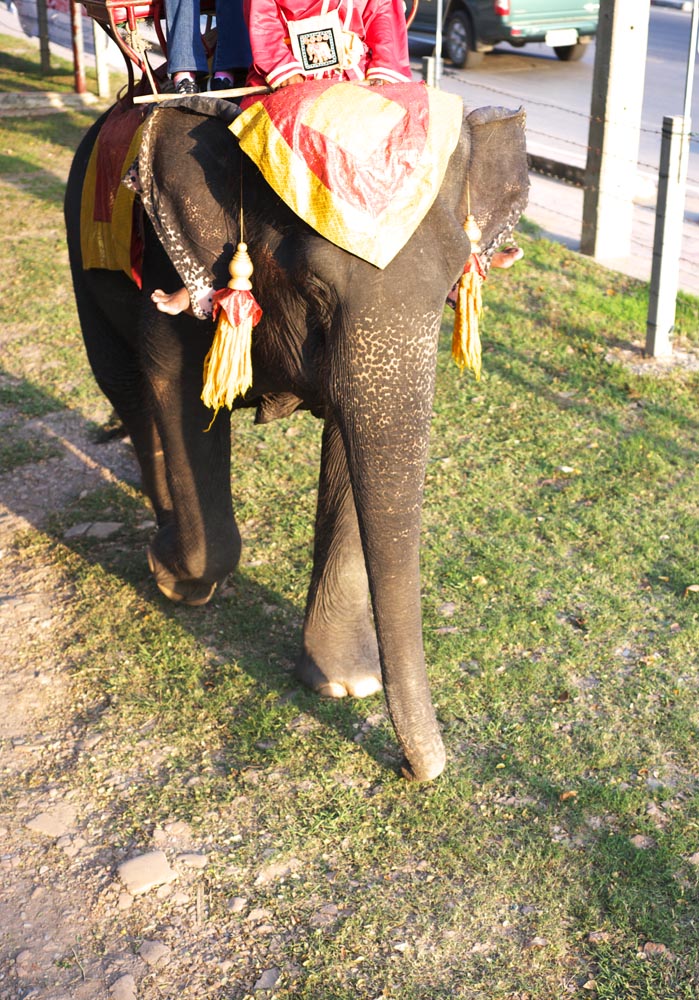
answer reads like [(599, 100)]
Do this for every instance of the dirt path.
[(73, 923)]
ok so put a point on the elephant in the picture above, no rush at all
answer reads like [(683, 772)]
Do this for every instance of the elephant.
[(353, 343)]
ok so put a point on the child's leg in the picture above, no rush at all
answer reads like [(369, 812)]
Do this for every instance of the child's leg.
[(232, 42), (185, 49)]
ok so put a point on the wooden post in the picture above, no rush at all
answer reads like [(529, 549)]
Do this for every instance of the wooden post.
[(44, 49)]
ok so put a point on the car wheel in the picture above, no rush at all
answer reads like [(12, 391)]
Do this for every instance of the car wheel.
[(458, 42), (570, 53)]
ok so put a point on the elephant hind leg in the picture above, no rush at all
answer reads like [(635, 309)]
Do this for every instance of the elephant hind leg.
[(340, 655), (107, 302)]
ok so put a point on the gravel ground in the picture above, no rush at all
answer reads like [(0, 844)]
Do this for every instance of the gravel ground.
[(80, 919)]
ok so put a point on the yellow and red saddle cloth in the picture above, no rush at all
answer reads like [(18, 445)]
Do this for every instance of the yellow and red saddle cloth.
[(361, 165), (110, 231)]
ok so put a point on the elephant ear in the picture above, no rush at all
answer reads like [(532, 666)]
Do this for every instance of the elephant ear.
[(498, 175), (188, 167)]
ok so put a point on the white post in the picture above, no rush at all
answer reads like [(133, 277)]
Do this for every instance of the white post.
[(101, 41), (615, 128), (438, 44), (428, 70), (691, 59)]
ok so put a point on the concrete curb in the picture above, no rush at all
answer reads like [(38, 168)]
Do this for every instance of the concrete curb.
[(554, 168), (676, 4)]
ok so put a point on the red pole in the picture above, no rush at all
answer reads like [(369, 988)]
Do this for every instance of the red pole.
[(76, 24)]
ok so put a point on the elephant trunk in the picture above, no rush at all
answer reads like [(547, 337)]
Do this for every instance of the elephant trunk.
[(404, 672), (383, 387)]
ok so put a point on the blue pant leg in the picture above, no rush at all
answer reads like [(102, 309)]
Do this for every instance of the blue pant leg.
[(233, 44), (185, 49)]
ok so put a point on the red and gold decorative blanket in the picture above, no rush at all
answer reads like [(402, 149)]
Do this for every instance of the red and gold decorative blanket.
[(109, 231), (362, 165)]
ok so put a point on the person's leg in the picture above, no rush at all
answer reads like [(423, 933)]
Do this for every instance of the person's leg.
[(233, 44), (185, 48)]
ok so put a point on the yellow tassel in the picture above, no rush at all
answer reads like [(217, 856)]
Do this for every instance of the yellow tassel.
[(228, 365), (466, 341)]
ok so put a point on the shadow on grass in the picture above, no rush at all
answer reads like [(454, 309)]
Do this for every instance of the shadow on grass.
[(252, 625), (578, 390), (30, 72), (19, 166)]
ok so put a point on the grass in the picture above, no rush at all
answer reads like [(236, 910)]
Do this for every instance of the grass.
[(560, 540), (20, 70)]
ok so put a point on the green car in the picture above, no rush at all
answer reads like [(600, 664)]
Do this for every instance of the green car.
[(473, 27)]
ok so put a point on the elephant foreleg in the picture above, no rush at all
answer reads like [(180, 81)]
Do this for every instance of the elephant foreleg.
[(340, 654)]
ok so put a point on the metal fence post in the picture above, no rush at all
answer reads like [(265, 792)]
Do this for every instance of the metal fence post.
[(667, 242), (76, 26)]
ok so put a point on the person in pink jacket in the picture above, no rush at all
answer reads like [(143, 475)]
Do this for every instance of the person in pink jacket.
[(294, 40)]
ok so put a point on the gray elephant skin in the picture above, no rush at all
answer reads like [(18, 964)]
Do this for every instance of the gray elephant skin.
[(353, 344)]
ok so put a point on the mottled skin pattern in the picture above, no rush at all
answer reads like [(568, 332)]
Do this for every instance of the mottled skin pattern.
[(353, 344)]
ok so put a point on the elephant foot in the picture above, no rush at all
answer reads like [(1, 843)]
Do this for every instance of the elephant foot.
[(191, 592), (362, 687), (334, 675)]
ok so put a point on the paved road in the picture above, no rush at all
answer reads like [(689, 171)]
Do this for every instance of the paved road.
[(557, 95), (557, 99)]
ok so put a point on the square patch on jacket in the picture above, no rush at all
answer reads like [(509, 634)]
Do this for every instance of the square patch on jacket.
[(318, 50)]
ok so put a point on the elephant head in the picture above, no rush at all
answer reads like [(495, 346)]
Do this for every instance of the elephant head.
[(353, 343)]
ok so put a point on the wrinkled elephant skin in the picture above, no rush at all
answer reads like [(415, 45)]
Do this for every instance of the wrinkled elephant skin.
[(353, 344)]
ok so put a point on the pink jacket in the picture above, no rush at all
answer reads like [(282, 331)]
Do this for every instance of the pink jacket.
[(378, 24)]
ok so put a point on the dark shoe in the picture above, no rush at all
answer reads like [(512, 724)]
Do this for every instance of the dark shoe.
[(220, 83), (185, 86)]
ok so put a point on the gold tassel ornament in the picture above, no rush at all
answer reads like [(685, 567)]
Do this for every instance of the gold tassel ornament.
[(466, 342), (228, 365)]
